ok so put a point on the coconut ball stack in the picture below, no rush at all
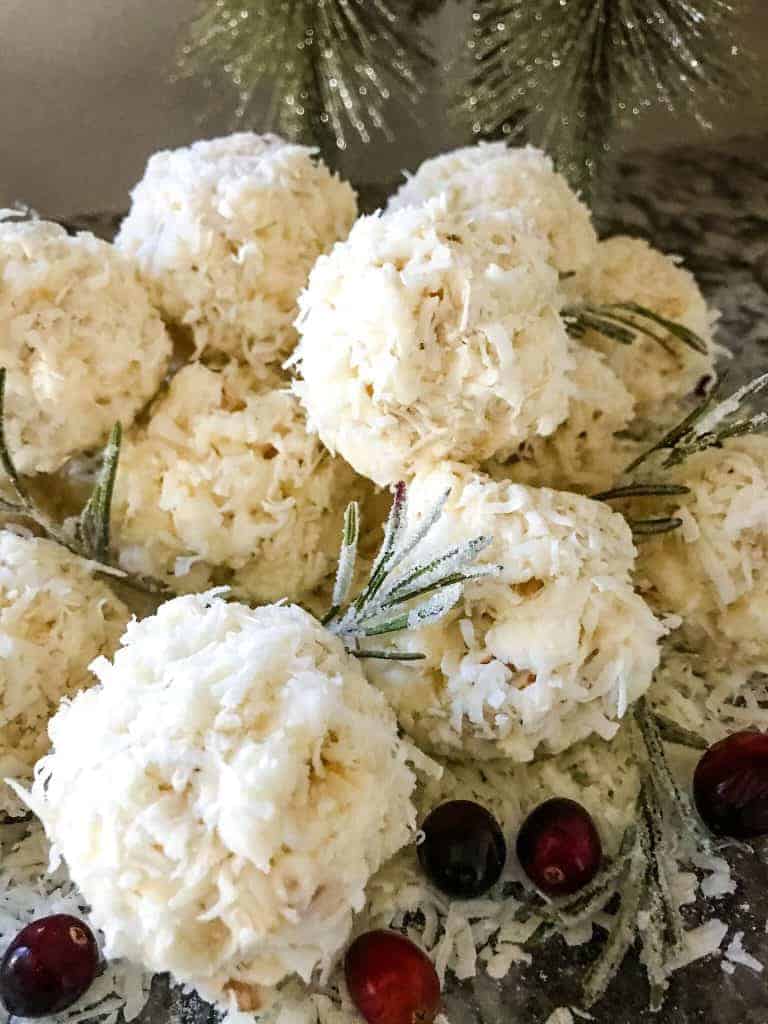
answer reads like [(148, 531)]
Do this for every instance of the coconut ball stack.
[(245, 775)]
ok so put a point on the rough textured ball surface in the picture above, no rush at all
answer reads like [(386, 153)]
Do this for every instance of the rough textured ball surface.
[(80, 342), (583, 454), (428, 337), (714, 570), (493, 176), (225, 233), (225, 484), (553, 648), (54, 620), (240, 784), (630, 270)]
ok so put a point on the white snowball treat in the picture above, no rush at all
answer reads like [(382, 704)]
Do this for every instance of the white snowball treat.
[(240, 783), (224, 483), (713, 571), (428, 337), (554, 648), (493, 176), (630, 270), (79, 340), (55, 618), (225, 233)]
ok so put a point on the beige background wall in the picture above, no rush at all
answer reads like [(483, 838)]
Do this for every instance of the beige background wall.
[(85, 97)]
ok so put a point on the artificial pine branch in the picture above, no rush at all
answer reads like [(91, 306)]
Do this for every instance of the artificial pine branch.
[(568, 75), (318, 71)]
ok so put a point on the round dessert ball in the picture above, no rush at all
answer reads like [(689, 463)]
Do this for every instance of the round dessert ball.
[(427, 337), (713, 571), (553, 648), (80, 342), (494, 176), (224, 483), (55, 618), (583, 454), (243, 781), (225, 233), (630, 270)]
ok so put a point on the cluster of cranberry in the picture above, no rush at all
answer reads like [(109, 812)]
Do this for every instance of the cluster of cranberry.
[(53, 961)]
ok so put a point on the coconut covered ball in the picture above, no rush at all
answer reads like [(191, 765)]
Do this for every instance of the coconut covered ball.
[(583, 454), (55, 618), (630, 270), (240, 784), (225, 233), (552, 649), (713, 571), (79, 340), (225, 483), (426, 337), (494, 176)]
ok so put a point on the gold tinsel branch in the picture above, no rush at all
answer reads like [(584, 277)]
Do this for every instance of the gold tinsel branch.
[(318, 71), (568, 75)]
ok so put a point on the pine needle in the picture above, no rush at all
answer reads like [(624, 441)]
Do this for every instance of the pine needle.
[(399, 595), (625, 321), (569, 75), (318, 71), (709, 425)]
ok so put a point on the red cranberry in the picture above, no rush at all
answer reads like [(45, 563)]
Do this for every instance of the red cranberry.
[(558, 847), (730, 786), (390, 980), (48, 966), (463, 851)]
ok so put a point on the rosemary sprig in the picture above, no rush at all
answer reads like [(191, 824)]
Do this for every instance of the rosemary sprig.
[(90, 537), (640, 872), (624, 321), (654, 526), (401, 592), (710, 424)]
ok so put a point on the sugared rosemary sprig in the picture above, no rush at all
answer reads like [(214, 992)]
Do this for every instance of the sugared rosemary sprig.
[(666, 831), (710, 424), (401, 592), (89, 538), (624, 321)]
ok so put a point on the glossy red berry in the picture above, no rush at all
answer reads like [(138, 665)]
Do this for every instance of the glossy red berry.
[(391, 980), (48, 966), (463, 851), (559, 847), (730, 786)]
